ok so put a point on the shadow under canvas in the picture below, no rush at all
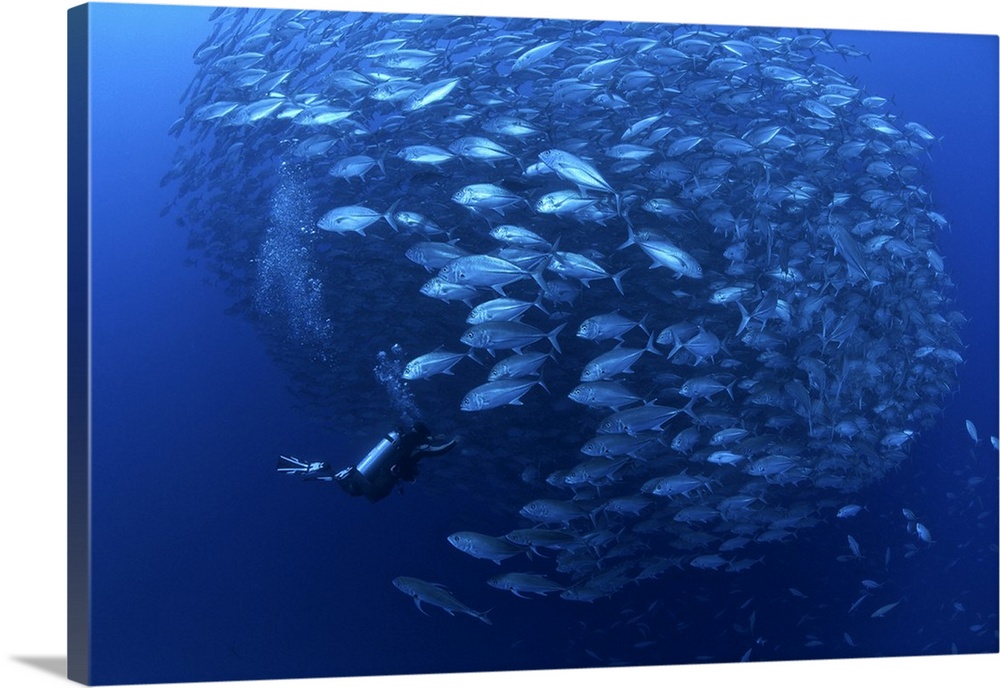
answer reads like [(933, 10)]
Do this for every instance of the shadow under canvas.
[(50, 665)]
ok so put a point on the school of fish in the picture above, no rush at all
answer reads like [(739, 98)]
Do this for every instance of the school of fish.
[(677, 288)]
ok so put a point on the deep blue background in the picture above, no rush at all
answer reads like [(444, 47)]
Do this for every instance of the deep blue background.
[(208, 565)]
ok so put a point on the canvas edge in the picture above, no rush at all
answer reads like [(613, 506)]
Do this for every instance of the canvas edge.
[(78, 345), (78, 349)]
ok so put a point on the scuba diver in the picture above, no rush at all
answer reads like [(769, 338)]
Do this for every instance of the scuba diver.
[(392, 460)]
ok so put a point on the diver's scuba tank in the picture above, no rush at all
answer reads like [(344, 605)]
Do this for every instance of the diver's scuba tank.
[(375, 459), (393, 459), (373, 476)]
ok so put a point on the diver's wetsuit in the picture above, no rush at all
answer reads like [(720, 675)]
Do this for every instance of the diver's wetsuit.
[(392, 460)]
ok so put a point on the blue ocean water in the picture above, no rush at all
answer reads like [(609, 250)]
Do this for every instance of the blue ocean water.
[(209, 565)]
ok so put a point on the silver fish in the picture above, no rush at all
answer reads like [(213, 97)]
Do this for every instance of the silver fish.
[(352, 218), (518, 366), (574, 169), (508, 335), (665, 254), (617, 361), (437, 595), (973, 433), (482, 271), (536, 54), (496, 393), (500, 309), (480, 197), (425, 155), (434, 363), (603, 393), (519, 583), (608, 326), (429, 94), (484, 546)]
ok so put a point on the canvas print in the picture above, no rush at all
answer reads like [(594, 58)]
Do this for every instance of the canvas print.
[(410, 343)]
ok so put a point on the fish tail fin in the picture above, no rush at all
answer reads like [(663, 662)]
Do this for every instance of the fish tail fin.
[(650, 348), (538, 302), (687, 409), (625, 216), (390, 213), (540, 281), (744, 318), (541, 380), (678, 345), (555, 246), (551, 336), (631, 237), (642, 323), (617, 279)]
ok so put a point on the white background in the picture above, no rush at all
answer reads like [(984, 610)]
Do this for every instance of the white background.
[(33, 330)]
